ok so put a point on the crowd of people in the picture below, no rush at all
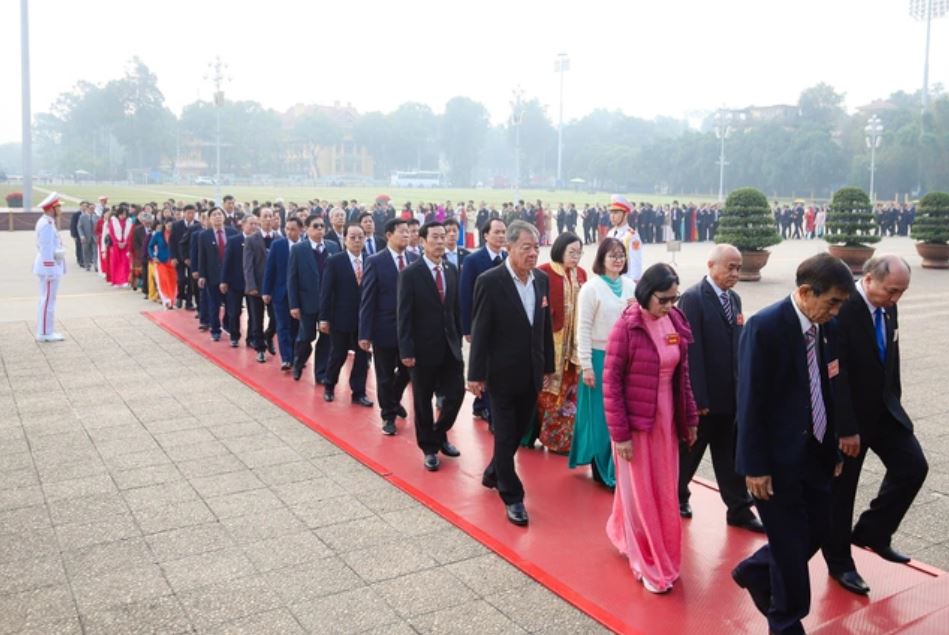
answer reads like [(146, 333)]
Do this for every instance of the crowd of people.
[(612, 368), (798, 221)]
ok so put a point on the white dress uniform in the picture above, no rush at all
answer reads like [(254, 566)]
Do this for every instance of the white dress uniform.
[(49, 266)]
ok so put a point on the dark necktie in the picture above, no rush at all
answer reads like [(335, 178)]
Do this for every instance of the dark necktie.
[(818, 413), (727, 306), (497, 260), (369, 246), (401, 263), (440, 283), (220, 244), (879, 326)]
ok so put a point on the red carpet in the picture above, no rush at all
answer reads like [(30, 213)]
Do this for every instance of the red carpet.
[(565, 548)]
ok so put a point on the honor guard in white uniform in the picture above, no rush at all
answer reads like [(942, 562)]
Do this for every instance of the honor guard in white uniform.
[(627, 235), (49, 266)]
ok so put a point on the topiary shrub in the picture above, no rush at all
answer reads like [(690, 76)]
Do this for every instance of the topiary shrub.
[(932, 219), (14, 199), (746, 221), (850, 219)]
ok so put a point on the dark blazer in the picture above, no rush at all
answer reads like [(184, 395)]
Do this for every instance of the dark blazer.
[(424, 323), (379, 298), (210, 267), (339, 293), (178, 230), (332, 236), (232, 272), (476, 263), (774, 396), (867, 390), (303, 278), (275, 269), (378, 245), (713, 353), (254, 262), (462, 254), (507, 352)]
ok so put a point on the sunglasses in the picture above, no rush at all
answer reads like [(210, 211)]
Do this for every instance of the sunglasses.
[(672, 299)]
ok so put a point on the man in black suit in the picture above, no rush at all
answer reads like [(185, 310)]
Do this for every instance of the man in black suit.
[(787, 440), (337, 225), (371, 242), (212, 245), (429, 330), (178, 245), (254, 264), (377, 321), (304, 270), (512, 348), (453, 253), (339, 315), (74, 232), (232, 278), (870, 416), (714, 313)]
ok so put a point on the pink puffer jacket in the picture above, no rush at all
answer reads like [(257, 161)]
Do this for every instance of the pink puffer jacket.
[(631, 377)]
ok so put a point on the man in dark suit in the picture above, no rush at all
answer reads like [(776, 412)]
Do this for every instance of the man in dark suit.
[(429, 330), (178, 245), (371, 242), (480, 260), (232, 277), (337, 224), (787, 440), (512, 348), (339, 315), (714, 313), (304, 270), (453, 252), (870, 416), (254, 264), (274, 291), (74, 232), (377, 321), (212, 246)]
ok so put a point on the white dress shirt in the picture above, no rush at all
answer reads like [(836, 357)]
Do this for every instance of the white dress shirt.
[(524, 290)]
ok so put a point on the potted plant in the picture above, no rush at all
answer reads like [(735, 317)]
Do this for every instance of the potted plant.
[(931, 229), (746, 222), (850, 227), (14, 199)]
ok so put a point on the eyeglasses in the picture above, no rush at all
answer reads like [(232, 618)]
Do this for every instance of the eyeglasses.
[(672, 299), (317, 225), (616, 256)]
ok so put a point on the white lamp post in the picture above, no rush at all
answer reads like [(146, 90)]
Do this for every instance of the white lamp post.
[(722, 130), (561, 65), (927, 10), (517, 115), (216, 70), (874, 130)]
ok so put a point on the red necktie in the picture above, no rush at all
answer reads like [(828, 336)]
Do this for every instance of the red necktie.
[(220, 244), (440, 283), (401, 263)]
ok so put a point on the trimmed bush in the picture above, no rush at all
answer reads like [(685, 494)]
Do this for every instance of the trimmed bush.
[(14, 199), (850, 219), (746, 221), (932, 219)]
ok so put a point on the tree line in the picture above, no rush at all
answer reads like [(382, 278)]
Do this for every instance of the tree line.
[(814, 148)]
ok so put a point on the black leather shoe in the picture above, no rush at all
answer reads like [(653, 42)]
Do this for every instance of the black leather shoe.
[(685, 510), (362, 401), (752, 524), (328, 395), (491, 482), (178, 303), (449, 450), (235, 343), (297, 373), (189, 307), (517, 514), (431, 462), (762, 599), (388, 427), (884, 551), (271, 349), (852, 581), (261, 358), (285, 366), (203, 327), (402, 413), (215, 337)]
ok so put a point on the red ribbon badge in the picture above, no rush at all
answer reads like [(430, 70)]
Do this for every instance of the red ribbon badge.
[(672, 339)]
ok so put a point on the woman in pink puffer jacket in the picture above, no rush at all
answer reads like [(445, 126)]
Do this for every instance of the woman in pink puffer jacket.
[(647, 397)]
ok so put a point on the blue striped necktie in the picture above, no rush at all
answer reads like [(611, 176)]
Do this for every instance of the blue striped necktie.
[(727, 306), (879, 326), (818, 413)]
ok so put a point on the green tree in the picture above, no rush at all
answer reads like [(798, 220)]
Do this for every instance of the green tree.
[(464, 128)]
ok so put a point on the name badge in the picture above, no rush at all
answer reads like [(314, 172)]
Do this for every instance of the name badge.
[(672, 339), (833, 369), (740, 320)]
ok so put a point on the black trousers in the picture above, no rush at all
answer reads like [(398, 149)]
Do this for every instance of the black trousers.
[(511, 414), (446, 379), (79, 259), (304, 346), (906, 470), (797, 521), (341, 342), (255, 323), (186, 284), (716, 432), (233, 305), (391, 379)]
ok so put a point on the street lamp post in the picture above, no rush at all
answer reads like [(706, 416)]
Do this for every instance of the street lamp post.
[(561, 65), (517, 115), (27, 139), (927, 10), (722, 130), (216, 70), (874, 130)]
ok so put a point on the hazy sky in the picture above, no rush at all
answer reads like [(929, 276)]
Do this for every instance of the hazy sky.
[(643, 57)]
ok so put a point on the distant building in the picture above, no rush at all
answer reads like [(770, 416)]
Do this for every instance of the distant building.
[(344, 161)]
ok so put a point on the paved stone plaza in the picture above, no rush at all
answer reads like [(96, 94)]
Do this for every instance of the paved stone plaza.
[(143, 489)]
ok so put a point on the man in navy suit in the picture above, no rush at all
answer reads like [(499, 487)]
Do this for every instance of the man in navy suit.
[(714, 313), (454, 253), (377, 316), (787, 440), (232, 277), (212, 246), (274, 291), (479, 261), (304, 271), (180, 258), (339, 315), (371, 242)]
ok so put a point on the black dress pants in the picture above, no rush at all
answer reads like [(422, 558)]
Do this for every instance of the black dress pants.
[(906, 470), (255, 323), (716, 432), (341, 342), (446, 379), (304, 346), (391, 379), (234, 304), (511, 414)]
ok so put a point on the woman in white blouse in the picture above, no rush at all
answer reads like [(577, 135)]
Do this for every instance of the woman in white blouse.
[(601, 302)]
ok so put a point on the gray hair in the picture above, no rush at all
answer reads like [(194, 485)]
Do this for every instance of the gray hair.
[(879, 266), (518, 227)]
